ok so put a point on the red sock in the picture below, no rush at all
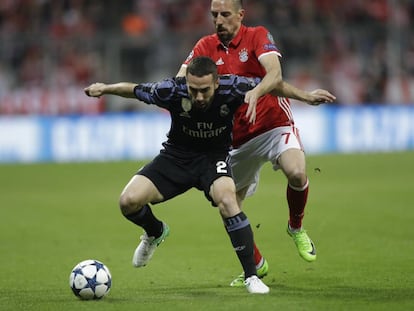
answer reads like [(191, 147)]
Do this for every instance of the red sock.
[(297, 198), (257, 256)]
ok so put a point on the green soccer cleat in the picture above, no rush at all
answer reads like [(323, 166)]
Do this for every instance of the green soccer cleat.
[(261, 273), (147, 247), (304, 244)]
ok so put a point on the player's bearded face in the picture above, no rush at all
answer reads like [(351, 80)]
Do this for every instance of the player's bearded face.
[(223, 33), (226, 20), (202, 103), (201, 90)]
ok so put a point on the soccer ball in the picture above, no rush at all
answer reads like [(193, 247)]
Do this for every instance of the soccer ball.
[(90, 279)]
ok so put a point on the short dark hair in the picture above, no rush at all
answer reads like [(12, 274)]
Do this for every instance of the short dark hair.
[(238, 4), (202, 66)]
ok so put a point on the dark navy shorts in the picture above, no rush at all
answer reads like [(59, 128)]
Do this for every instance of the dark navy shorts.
[(174, 173)]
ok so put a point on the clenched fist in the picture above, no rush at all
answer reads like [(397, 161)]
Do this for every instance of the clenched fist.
[(95, 89)]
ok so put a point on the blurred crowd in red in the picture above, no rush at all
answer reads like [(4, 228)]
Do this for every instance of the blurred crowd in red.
[(361, 50)]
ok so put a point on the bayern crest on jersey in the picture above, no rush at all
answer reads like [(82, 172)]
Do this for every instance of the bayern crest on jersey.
[(244, 55)]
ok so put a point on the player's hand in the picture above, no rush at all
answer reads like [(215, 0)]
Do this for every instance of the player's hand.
[(95, 90), (320, 96), (251, 99)]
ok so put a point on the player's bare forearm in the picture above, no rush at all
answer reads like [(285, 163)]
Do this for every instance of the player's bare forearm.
[(181, 72), (273, 77), (270, 81), (315, 97), (287, 90), (123, 89)]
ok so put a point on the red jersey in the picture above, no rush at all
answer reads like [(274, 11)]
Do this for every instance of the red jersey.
[(241, 58)]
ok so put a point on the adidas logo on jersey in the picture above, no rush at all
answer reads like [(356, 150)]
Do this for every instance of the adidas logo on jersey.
[(220, 62)]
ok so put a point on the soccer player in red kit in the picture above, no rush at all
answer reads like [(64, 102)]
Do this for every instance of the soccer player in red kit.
[(251, 51)]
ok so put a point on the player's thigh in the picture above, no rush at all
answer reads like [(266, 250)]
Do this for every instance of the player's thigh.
[(288, 152), (140, 190), (245, 165), (223, 193), (221, 187), (292, 162)]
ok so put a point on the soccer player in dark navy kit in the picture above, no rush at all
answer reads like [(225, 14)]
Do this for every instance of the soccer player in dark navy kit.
[(202, 106)]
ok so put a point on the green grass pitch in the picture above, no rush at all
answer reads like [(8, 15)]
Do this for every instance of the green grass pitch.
[(360, 215)]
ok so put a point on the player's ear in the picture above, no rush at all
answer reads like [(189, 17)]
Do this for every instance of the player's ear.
[(241, 14), (216, 84)]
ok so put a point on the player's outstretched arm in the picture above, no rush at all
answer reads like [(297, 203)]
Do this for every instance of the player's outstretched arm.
[(124, 89), (316, 97)]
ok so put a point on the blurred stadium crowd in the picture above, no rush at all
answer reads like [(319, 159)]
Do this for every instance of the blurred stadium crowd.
[(361, 50)]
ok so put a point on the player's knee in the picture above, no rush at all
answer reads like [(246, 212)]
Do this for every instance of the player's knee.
[(128, 204), (297, 178), (228, 204), (228, 200)]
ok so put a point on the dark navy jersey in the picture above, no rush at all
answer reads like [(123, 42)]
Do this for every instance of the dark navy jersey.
[(193, 129)]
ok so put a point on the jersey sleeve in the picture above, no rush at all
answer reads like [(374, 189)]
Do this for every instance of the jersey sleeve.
[(161, 93), (244, 84), (237, 86), (264, 43)]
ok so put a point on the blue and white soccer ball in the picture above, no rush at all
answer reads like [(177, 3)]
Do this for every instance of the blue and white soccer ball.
[(90, 279)]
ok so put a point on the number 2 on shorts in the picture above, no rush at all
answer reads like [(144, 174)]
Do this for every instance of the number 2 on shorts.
[(221, 167)]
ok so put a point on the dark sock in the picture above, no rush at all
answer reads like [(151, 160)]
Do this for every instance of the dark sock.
[(241, 236), (146, 219)]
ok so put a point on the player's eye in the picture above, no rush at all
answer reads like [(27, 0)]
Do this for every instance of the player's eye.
[(195, 91), (224, 14)]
